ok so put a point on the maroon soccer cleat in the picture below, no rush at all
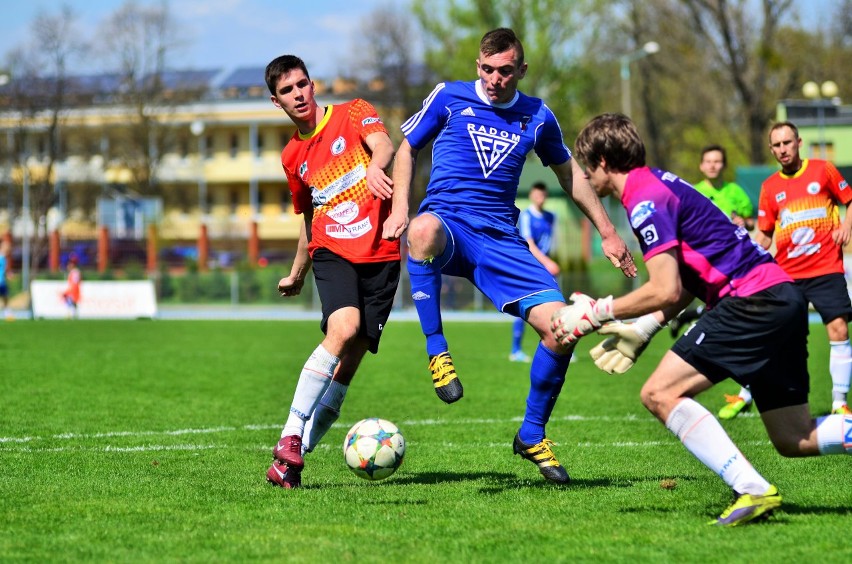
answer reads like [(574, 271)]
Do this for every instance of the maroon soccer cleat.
[(282, 476), (289, 451)]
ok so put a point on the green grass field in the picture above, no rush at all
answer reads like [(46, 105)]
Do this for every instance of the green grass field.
[(149, 441)]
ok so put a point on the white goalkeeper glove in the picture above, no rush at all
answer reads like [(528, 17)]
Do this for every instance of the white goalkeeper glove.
[(618, 353), (584, 316)]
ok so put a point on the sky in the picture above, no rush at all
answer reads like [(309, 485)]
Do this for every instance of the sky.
[(225, 33)]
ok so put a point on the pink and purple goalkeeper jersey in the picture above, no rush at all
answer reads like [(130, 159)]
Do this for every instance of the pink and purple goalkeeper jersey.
[(717, 258)]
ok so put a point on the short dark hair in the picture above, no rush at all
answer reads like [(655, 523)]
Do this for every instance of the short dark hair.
[(501, 40), (782, 124), (715, 147), (279, 66), (538, 185), (613, 137)]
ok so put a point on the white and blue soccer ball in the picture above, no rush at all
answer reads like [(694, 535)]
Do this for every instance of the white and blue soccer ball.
[(374, 448)]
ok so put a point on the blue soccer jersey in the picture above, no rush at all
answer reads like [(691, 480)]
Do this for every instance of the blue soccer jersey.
[(538, 226), (717, 258), (480, 149), (4, 289)]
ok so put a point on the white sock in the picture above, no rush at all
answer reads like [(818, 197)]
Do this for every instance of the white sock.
[(326, 413), (745, 393), (704, 437), (840, 367), (834, 434), (313, 381)]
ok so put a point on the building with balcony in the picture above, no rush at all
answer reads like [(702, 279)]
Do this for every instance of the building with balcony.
[(215, 146)]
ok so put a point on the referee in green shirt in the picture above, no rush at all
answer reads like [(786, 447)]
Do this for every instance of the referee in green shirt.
[(728, 196)]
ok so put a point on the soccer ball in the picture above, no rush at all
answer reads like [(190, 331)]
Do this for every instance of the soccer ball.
[(374, 448)]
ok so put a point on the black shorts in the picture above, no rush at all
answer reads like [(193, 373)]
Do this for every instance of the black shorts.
[(370, 287), (760, 341), (829, 296)]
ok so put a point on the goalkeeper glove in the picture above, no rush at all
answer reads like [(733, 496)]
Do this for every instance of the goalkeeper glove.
[(618, 353), (584, 316)]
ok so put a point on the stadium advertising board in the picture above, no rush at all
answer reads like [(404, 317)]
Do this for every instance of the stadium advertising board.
[(98, 300)]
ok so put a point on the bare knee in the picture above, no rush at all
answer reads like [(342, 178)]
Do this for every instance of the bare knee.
[(652, 397), (792, 447), (342, 330), (539, 319), (794, 444), (660, 400), (792, 431), (425, 237), (343, 335)]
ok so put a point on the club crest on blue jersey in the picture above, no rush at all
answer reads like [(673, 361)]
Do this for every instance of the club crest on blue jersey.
[(641, 212), (492, 146)]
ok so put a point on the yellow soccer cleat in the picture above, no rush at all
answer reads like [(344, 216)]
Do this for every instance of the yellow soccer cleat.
[(542, 455), (735, 405), (748, 507), (447, 385)]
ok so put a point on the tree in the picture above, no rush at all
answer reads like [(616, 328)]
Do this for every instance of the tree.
[(138, 42), (745, 46), (555, 34), (390, 52), (37, 96)]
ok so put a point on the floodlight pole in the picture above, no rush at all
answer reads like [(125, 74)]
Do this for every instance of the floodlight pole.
[(821, 94), (197, 128), (25, 237), (648, 48)]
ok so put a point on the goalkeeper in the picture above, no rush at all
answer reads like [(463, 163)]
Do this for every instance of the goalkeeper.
[(754, 330)]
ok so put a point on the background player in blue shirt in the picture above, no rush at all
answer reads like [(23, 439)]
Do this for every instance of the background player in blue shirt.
[(4, 285), (538, 227), (467, 224), (754, 330)]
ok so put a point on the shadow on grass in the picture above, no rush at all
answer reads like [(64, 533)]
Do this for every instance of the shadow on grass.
[(445, 477), (796, 509), (498, 482)]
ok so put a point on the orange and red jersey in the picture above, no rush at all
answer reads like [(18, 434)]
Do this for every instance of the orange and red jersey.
[(73, 289), (802, 211), (327, 172)]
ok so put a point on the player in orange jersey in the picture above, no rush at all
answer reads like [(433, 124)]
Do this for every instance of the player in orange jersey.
[(335, 165), (72, 291), (799, 206)]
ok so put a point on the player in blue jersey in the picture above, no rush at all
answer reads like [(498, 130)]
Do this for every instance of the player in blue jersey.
[(467, 224), (4, 285), (754, 330), (537, 226)]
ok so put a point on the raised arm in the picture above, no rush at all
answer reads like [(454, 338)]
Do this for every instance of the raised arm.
[(574, 182)]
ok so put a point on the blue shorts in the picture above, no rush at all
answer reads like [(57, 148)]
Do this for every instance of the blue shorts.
[(760, 341), (498, 263), (828, 294), (4, 289)]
